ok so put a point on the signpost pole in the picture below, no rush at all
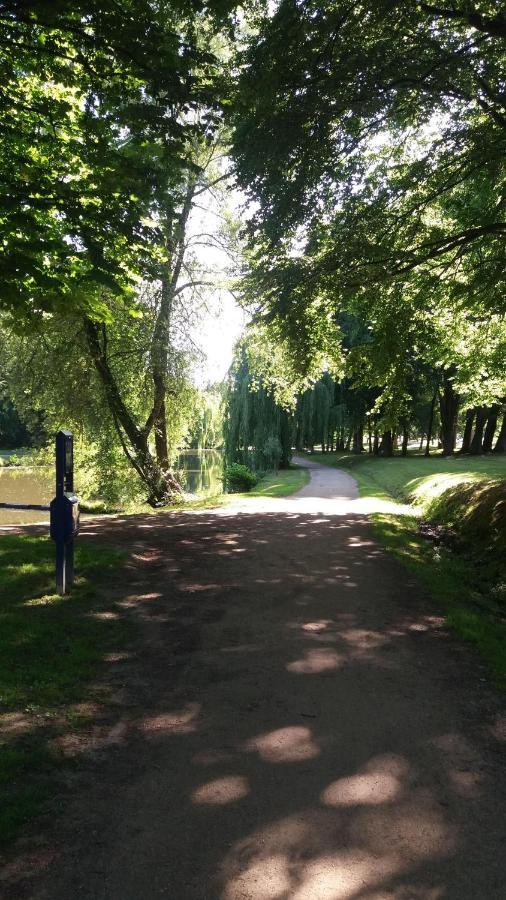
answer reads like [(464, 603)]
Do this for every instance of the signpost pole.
[(64, 512), (61, 581)]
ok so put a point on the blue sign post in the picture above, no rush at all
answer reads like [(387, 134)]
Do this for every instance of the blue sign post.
[(64, 512)]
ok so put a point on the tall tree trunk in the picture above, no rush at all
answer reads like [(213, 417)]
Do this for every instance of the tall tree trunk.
[(358, 439), (134, 439), (490, 427), (430, 426), (500, 444), (298, 437), (161, 332), (387, 444), (405, 439), (420, 448), (449, 402), (468, 430), (375, 444), (481, 418), (286, 440)]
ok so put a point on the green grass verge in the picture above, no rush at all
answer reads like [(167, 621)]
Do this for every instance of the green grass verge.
[(402, 477), (467, 495), (273, 484), (281, 483), (50, 648)]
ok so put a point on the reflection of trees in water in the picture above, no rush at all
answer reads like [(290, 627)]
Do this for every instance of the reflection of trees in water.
[(24, 485), (201, 473)]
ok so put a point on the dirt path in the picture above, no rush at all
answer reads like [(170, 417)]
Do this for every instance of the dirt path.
[(297, 725)]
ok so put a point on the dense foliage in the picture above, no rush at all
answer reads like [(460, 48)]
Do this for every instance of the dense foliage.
[(369, 142), (96, 112), (346, 414), (109, 138), (257, 428), (239, 477), (371, 139)]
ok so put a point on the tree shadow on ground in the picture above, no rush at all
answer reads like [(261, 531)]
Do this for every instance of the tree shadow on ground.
[(296, 724)]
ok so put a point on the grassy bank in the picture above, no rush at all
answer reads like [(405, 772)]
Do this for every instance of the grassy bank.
[(465, 571), (280, 484), (273, 484), (50, 649)]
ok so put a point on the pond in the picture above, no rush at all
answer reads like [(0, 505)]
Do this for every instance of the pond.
[(200, 472), (25, 485)]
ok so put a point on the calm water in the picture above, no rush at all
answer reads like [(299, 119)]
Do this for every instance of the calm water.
[(25, 485), (200, 472)]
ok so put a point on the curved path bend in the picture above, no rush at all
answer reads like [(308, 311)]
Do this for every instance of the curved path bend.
[(295, 724)]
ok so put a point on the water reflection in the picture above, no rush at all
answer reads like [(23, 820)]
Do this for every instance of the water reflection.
[(201, 470), (201, 473), (25, 485)]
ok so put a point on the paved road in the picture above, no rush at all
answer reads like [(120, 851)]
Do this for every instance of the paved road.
[(296, 725)]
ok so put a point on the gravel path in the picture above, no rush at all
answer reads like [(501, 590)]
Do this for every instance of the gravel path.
[(295, 724)]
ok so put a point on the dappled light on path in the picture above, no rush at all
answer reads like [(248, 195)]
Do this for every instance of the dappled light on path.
[(380, 782), (314, 662), (285, 745), (296, 723), (222, 790)]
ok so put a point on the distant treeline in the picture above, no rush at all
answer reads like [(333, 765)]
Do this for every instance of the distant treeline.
[(336, 416)]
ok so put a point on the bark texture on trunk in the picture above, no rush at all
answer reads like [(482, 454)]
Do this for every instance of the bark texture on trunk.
[(430, 426), (387, 444), (405, 439), (500, 444), (490, 428), (449, 402), (481, 418), (468, 430), (358, 439)]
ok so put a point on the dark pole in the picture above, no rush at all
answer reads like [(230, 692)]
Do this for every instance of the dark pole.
[(64, 512)]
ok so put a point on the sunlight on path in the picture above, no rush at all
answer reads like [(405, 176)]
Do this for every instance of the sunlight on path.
[(330, 491)]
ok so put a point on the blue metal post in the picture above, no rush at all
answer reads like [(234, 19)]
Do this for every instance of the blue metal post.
[(64, 524)]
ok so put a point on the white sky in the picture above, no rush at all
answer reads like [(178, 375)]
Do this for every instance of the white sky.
[(222, 323), (216, 335)]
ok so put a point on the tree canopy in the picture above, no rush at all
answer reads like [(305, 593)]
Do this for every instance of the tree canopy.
[(370, 141), (379, 128), (97, 105)]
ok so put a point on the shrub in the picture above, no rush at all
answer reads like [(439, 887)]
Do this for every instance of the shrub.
[(239, 478)]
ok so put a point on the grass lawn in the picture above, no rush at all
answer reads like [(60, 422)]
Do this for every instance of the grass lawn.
[(273, 484), (281, 484), (50, 648), (414, 478), (468, 496)]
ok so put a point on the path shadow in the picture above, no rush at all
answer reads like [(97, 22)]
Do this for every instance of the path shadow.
[(296, 724)]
